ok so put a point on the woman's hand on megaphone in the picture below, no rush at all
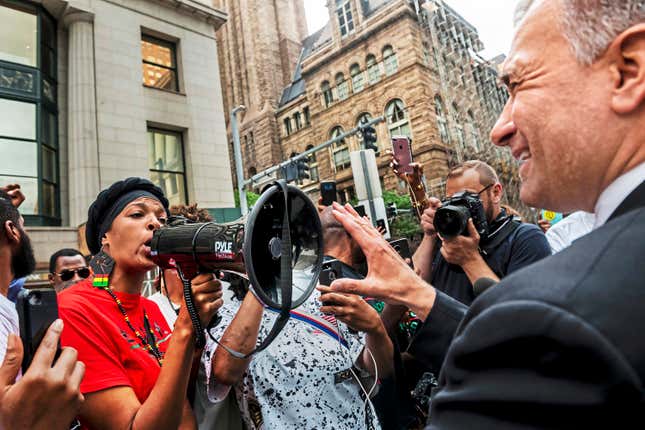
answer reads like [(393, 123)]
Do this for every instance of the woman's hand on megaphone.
[(207, 293), (389, 278)]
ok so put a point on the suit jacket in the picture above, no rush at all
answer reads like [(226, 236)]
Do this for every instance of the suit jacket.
[(559, 344)]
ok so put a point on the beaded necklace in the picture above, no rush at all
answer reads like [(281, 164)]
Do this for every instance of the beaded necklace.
[(101, 282)]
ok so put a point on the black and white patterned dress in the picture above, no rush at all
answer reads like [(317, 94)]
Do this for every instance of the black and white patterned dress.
[(301, 381)]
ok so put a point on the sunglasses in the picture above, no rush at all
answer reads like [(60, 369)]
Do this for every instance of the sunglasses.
[(67, 274)]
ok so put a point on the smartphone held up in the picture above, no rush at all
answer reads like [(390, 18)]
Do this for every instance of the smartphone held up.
[(402, 151)]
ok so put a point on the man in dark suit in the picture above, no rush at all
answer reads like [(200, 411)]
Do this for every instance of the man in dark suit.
[(558, 344)]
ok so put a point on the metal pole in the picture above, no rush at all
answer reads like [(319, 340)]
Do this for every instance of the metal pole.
[(305, 154), (237, 152), (368, 186)]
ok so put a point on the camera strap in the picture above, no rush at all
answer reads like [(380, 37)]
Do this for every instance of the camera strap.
[(285, 283), (500, 234)]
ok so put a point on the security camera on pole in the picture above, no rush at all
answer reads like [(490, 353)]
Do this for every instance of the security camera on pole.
[(366, 179)]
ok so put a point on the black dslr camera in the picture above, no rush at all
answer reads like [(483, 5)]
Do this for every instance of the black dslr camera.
[(451, 219)]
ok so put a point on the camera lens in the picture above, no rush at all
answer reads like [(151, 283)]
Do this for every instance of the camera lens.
[(451, 221)]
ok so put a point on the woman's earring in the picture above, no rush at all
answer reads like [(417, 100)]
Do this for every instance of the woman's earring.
[(102, 265)]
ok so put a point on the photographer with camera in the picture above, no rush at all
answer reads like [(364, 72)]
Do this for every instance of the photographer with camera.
[(47, 396), (137, 373), (470, 236)]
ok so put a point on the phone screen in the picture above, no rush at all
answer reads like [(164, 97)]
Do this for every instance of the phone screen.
[(328, 192), (402, 153), (37, 310)]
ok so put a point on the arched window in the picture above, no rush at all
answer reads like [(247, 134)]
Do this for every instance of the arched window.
[(340, 150), (328, 96), (442, 124), (313, 166), (397, 119), (474, 133), (389, 58), (373, 69), (342, 86), (363, 118), (357, 77), (459, 129)]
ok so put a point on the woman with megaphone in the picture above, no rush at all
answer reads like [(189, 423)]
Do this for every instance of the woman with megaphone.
[(136, 372)]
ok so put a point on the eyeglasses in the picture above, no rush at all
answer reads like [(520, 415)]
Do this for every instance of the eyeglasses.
[(484, 189), (476, 194), (68, 274)]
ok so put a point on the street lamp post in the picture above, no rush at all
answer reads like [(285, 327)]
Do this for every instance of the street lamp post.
[(237, 153)]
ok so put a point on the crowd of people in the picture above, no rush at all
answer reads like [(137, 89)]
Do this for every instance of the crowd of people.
[(550, 341)]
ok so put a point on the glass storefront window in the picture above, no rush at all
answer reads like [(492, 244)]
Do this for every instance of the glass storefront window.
[(48, 135), (29, 187), (17, 119), (49, 164), (166, 164), (18, 41), (49, 199), (18, 158), (28, 108)]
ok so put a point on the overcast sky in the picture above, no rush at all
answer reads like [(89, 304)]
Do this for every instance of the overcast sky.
[(492, 18)]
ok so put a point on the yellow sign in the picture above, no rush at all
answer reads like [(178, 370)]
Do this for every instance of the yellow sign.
[(549, 215)]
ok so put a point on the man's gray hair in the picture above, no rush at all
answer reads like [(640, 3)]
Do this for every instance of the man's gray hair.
[(591, 25)]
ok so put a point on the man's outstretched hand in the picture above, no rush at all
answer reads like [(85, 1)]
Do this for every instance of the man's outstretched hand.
[(389, 278)]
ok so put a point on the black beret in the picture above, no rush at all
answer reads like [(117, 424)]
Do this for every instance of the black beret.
[(101, 209)]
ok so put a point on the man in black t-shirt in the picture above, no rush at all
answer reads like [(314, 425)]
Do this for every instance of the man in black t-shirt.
[(453, 265)]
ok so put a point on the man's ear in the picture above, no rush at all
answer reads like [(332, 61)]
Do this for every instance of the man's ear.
[(498, 192), (628, 69), (12, 232), (51, 279)]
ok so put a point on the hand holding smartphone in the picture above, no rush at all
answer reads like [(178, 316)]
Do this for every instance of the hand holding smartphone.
[(402, 151), (37, 310), (328, 192)]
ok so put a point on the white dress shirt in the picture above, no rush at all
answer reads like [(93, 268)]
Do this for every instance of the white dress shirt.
[(616, 192), (564, 232)]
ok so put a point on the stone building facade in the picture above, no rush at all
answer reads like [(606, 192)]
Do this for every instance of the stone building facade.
[(258, 50), (415, 63), (93, 91)]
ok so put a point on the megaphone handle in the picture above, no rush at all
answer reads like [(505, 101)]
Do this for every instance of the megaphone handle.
[(200, 338)]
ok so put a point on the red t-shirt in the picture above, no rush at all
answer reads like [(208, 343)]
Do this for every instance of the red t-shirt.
[(112, 353)]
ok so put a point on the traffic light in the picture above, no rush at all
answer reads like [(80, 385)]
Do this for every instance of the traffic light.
[(296, 170), (369, 137), (303, 169), (290, 172), (391, 210)]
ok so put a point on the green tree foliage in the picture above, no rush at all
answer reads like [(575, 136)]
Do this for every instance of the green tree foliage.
[(405, 224), (401, 201), (251, 198)]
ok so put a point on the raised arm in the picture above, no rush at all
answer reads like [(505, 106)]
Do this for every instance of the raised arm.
[(241, 335)]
